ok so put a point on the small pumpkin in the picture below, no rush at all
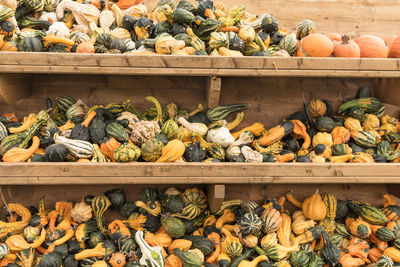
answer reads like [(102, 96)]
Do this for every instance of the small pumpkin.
[(118, 259), (81, 212), (372, 47), (126, 153), (340, 135), (347, 48), (172, 151), (315, 45)]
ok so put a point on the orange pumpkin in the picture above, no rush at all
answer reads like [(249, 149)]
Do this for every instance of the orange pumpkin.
[(346, 48), (372, 46), (315, 45), (389, 40), (394, 50)]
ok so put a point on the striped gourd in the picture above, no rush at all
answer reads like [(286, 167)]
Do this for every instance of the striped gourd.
[(30, 132), (79, 148), (285, 230), (395, 227), (364, 138), (306, 27), (368, 212), (5, 13), (330, 203), (4, 250), (64, 102), (117, 131), (195, 41), (3, 131), (328, 224), (233, 249), (170, 129), (250, 223), (336, 239), (272, 220), (275, 254), (115, 108), (396, 243), (392, 212), (342, 230), (384, 234), (289, 43), (126, 153), (196, 197), (99, 205)]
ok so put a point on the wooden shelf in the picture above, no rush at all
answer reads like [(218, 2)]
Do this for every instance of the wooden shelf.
[(197, 173), (58, 63)]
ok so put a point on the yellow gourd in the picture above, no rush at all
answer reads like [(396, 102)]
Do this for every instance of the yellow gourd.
[(257, 129), (284, 230), (371, 123), (253, 263), (322, 138), (352, 124), (300, 226), (17, 154), (28, 122), (227, 217), (167, 44), (182, 244), (172, 151), (392, 253), (314, 207)]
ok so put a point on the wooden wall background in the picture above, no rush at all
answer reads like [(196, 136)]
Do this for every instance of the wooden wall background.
[(379, 17)]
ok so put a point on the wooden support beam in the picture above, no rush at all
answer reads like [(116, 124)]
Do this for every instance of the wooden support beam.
[(13, 87), (213, 91), (216, 195)]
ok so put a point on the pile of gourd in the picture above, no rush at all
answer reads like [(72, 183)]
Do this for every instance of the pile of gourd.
[(175, 229), (118, 132), (204, 28)]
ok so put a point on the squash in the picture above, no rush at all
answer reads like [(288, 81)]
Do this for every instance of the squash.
[(340, 135), (347, 48), (172, 151), (117, 131), (99, 205), (362, 158), (182, 244), (325, 124), (384, 234), (201, 243), (305, 28), (126, 153), (317, 108), (299, 131), (250, 224), (322, 138), (368, 212), (299, 259), (285, 230), (299, 227), (79, 148), (118, 259), (314, 207), (170, 129), (289, 43), (363, 138), (173, 226), (108, 146), (152, 150), (341, 149), (315, 45), (272, 220), (392, 253), (17, 154), (256, 129), (227, 217), (269, 24), (173, 261), (277, 133), (102, 250), (189, 258), (194, 152), (330, 252), (81, 212), (372, 47), (368, 104)]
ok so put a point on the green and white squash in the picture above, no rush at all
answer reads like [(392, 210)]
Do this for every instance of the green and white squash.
[(289, 43), (117, 131), (151, 256), (78, 148), (4, 250), (306, 27), (3, 131)]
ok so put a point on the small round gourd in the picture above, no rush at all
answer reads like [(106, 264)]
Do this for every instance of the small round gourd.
[(152, 150), (4, 250), (81, 212), (250, 223), (127, 153)]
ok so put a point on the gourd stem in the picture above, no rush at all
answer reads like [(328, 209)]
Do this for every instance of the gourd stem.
[(159, 117), (89, 118), (197, 110)]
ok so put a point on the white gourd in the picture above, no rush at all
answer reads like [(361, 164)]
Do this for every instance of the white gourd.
[(221, 135)]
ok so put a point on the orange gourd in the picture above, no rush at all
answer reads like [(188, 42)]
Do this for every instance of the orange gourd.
[(300, 132), (358, 248), (8, 46), (108, 147), (394, 50), (340, 135), (17, 154), (347, 48), (315, 45), (374, 254), (173, 261), (1, 40), (372, 47), (125, 4), (346, 260), (227, 217), (314, 207), (118, 259), (87, 47)]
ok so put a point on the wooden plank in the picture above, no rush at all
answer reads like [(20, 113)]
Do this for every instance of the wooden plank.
[(213, 91), (196, 173), (13, 87), (344, 16), (216, 195)]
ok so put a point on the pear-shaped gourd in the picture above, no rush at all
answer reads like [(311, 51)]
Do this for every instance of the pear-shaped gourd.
[(314, 207)]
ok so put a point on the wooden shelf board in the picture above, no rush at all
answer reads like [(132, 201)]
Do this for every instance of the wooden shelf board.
[(57, 63), (197, 173)]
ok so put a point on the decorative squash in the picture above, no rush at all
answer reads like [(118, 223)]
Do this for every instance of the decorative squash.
[(108, 147), (173, 226), (315, 45), (314, 207), (300, 226), (305, 28), (81, 212), (152, 150), (368, 212), (126, 153), (172, 151), (272, 220), (392, 253), (317, 108), (322, 138), (99, 205), (17, 154), (276, 133), (363, 138), (372, 47), (347, 48), (118, 259), (340, 135)]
